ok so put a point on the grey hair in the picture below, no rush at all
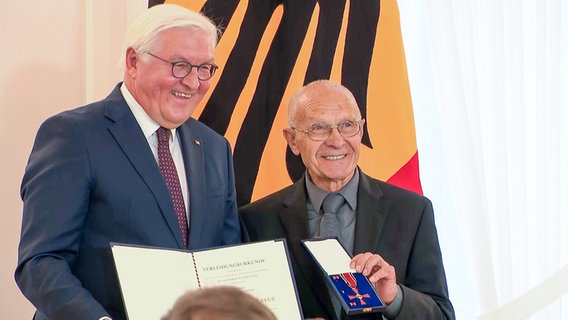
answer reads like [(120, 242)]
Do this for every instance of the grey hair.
[(141, 34)]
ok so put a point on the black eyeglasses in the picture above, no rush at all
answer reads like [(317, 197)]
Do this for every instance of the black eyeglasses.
[(180, 69), (322, 131)]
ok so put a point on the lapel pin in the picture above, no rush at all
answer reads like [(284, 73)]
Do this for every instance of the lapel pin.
[(197, 142)]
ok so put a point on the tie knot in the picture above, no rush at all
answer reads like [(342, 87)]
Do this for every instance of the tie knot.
[(163, 134), (332, 202)]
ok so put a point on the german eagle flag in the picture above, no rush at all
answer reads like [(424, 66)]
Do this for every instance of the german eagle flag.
[(271, 48)]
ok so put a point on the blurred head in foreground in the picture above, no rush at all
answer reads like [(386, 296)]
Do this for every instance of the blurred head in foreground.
[(219, 303)]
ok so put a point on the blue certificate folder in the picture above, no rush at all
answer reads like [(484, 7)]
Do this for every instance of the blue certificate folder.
[(355, 292)]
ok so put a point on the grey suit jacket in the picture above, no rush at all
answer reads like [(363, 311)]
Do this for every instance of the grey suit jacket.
[(393, 222), (91, 179)]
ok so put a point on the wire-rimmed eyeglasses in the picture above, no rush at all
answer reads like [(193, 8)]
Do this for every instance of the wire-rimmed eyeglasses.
[(180, 69), (322, 131)]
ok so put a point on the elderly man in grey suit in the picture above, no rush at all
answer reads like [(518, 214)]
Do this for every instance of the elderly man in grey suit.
[(390, 231), (133, 168)]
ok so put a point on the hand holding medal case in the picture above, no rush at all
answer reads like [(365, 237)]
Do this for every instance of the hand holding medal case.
[(355, 292)]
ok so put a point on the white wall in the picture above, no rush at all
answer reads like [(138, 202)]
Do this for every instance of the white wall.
[(54, 55)]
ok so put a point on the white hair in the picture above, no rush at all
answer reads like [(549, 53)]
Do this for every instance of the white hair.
[(142, 32)]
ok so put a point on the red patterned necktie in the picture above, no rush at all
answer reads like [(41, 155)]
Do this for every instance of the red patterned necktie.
[(169, 172)]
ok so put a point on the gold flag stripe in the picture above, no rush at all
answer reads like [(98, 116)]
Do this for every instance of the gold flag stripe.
[(272, 174)]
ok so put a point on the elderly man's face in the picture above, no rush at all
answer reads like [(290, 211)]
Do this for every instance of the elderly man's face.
[(330, 163), (168, 100)]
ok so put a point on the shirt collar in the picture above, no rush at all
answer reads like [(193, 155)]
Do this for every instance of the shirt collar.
[(147, 124), (349, 192)]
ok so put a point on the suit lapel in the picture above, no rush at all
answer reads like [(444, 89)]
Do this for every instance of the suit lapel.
[(130, 138), (371, 215), (293, 215), (194, 160), (295, 222)]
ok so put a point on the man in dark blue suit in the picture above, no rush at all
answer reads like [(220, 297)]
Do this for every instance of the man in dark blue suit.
[(93, 175), (390, 231)]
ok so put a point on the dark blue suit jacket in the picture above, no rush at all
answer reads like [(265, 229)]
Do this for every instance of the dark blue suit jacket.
[(393, 222), (91, 179)]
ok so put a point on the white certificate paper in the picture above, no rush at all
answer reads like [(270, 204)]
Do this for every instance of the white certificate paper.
[(151, 279)]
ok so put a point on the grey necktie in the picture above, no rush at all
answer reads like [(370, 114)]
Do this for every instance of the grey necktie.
[(329, 226)]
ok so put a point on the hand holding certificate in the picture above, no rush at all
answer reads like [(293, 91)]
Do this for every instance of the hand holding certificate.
[(151, 279), (353, 290)]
